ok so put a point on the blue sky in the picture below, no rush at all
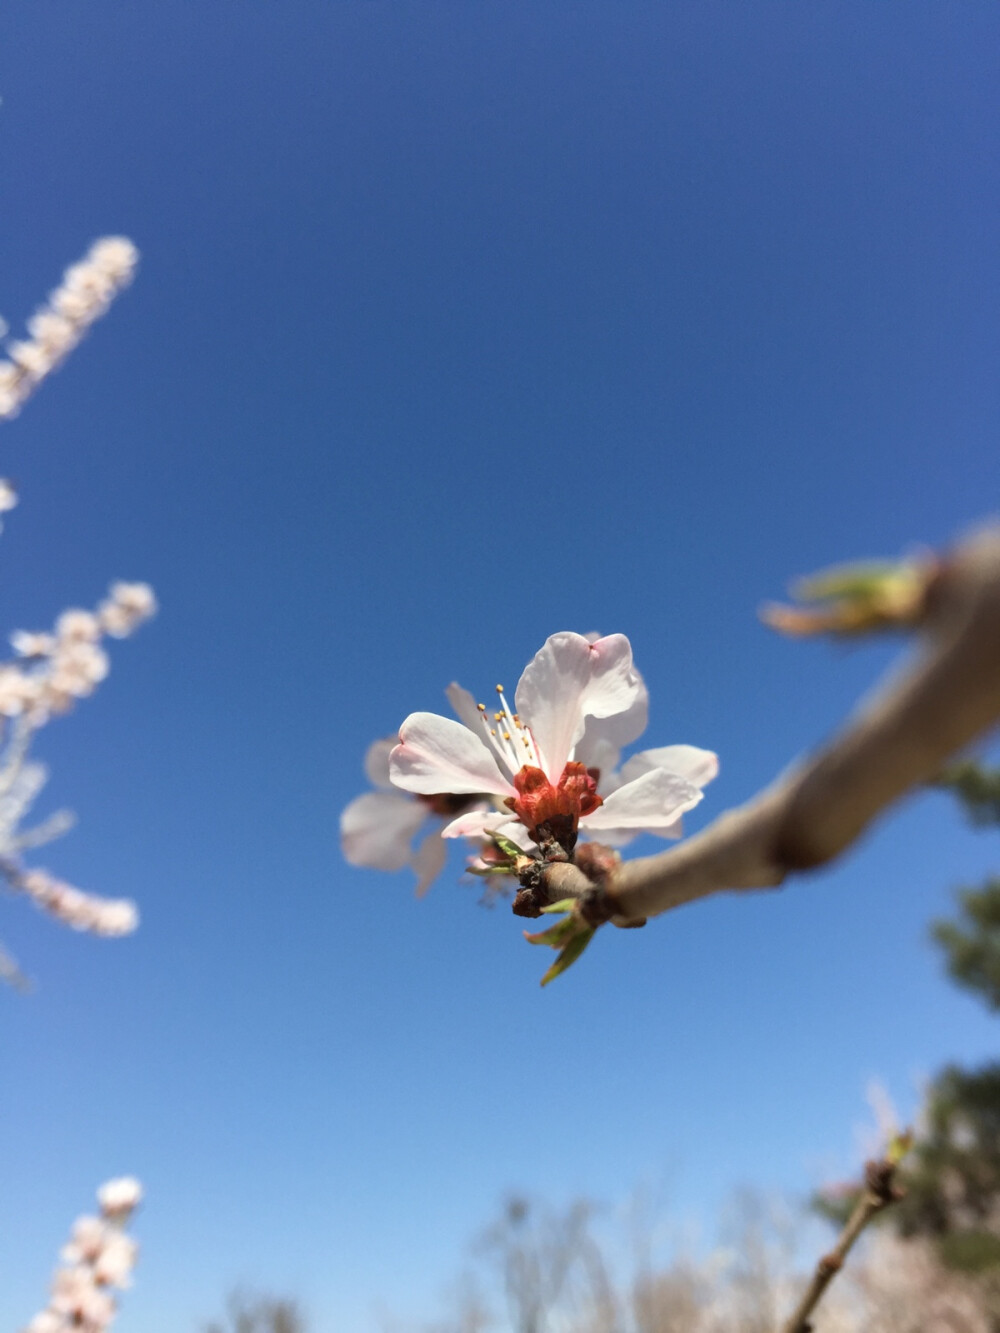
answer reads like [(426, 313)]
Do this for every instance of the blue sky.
[(459, 324)]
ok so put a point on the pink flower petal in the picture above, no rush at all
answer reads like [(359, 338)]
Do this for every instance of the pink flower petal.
[(475, 824), (621, 837), (614, 684), (650, 803), (377, 828), (514, 831), (481, 823), (567, 680), (598, 752), (435, 755), (464, 707), (698, 766), (428, 861), (377, 762), (620, 729)]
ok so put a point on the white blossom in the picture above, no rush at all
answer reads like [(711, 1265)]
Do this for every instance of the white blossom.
[(98, 1258), (81, 911), (120, 1196), (77, 1295), (113, 1265), (377, 829), (68, 662), (87, 1239), (19, 691), (53, 670), (77, 626), (126, 607), (46, 1321), (28, 644), (525, 757), (87, 290)]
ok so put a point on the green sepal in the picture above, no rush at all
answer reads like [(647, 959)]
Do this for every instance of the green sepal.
[(556, 936), (569, 955), (570, 936), (863, 579), (509, 849), (854, 599)]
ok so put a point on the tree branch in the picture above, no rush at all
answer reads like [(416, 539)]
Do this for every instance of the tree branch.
[(879, 1193), (898, 738)]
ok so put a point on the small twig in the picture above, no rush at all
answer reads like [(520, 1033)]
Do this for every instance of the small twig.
[(879, 1193)]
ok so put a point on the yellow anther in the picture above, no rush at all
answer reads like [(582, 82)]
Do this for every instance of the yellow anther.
[(498, 717), (493, 731), (481, 707), (499, 689), (506, 735)]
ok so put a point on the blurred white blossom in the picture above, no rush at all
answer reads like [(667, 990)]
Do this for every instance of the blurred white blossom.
[(98, 1259), (28, 644), (377, 829), (68, 663), (125, 608), (73, 907), (120, 1196), (52, 670), (86, 291)]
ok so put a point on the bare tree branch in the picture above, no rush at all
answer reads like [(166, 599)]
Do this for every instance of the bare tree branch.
[(878, 1194), (899, 738)]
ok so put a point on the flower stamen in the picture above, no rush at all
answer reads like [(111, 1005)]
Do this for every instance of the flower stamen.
[(503, 737)]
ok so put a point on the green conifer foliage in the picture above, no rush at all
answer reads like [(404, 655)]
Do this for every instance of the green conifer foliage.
[(972, 943), (953, 1174), (978, 789)]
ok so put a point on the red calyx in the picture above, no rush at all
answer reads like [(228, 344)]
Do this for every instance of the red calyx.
[(560, 807)]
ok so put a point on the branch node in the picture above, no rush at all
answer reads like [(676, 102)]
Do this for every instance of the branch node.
[(830, 1264), (532, 896), (880, 1182)]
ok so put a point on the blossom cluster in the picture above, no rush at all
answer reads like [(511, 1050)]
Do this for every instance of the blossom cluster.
[(86, 291), (537, 775), (51, 671), (58, 667), (73, 907), (99, 1258)]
